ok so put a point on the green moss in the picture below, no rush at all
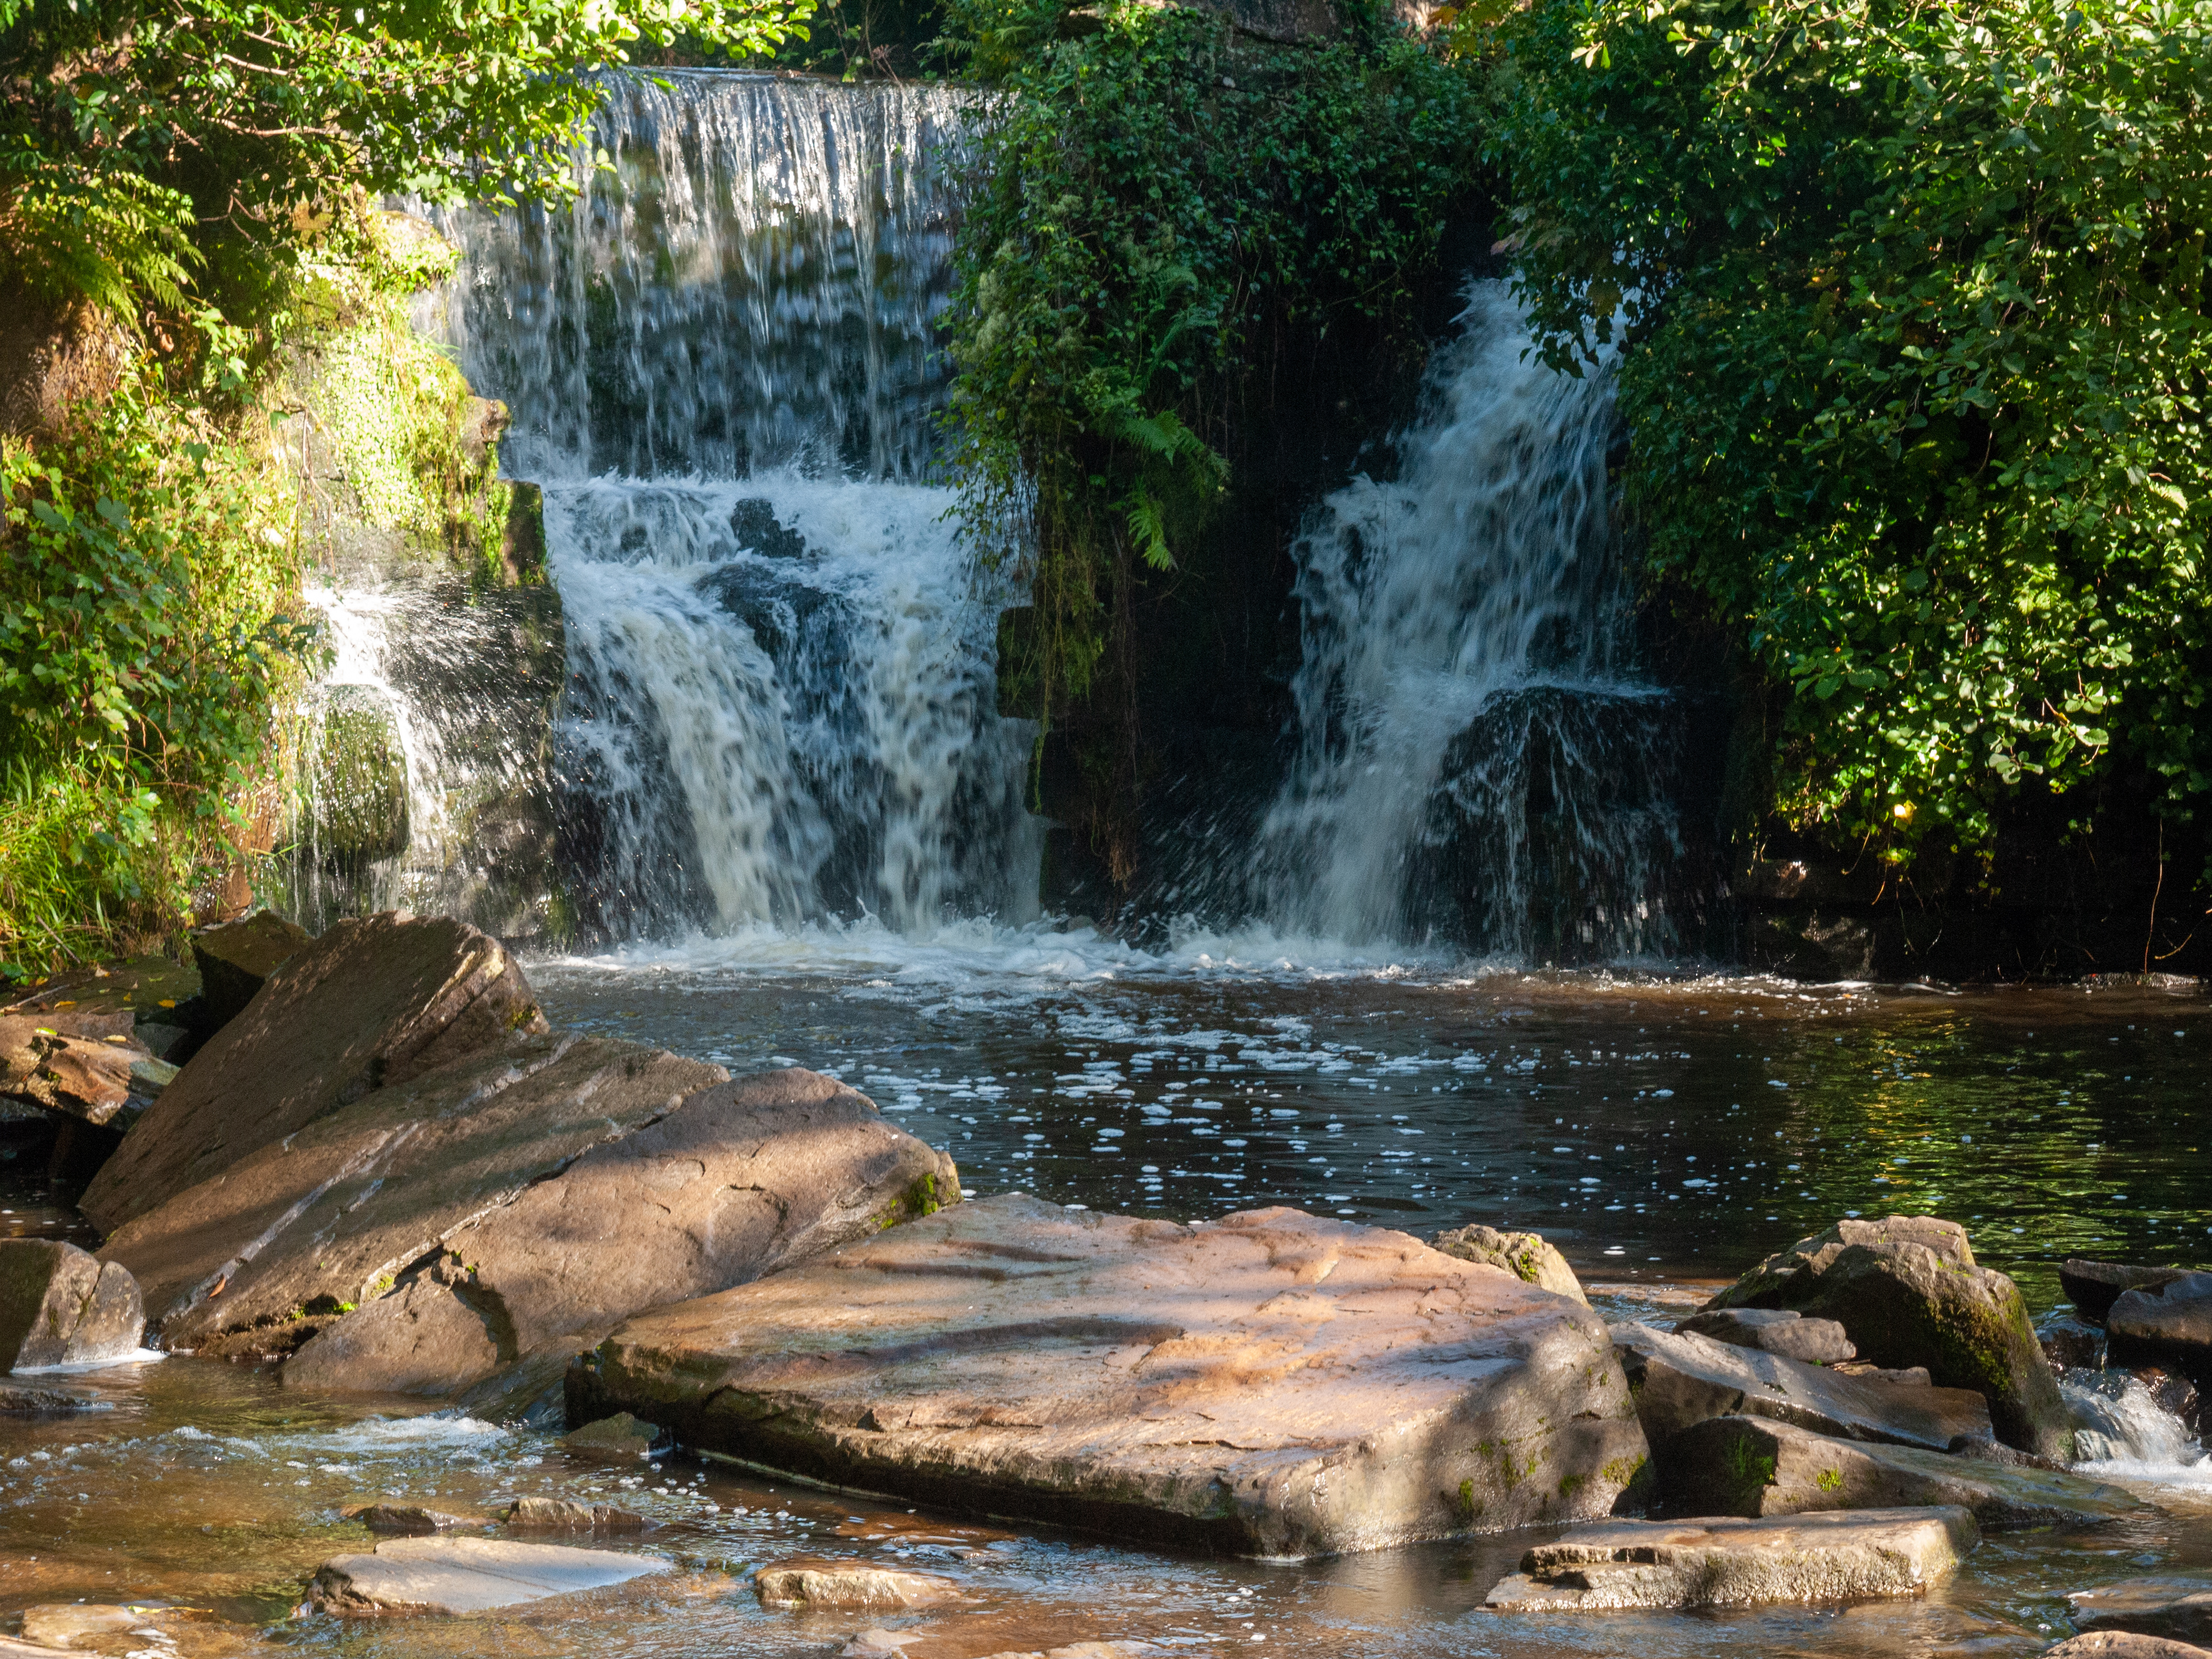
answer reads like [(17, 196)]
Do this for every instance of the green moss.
[(1623, 1471)]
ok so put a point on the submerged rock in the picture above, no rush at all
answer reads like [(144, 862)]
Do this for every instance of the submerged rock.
[(455, 1576), (18, 1400), (618, 1435), (67, 1623), (236, 958), (1774, 1330), (1748, 1466), (1527, 1256), (2179, 1609), (1700, 1564), (2093, 1287), (59, 1306), (2167, 1324), (370, 1004), (815, 1583), (2124, 1645), (1681, 1379), (566, 1515), (1272, 1384), (409, 1520), (1907, 1290)]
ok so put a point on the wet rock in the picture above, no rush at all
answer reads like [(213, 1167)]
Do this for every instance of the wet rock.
[(236, 958), (2170, 1324), (1525, 1255), (618, 1435), (2179, 1609), (2071, 1344), (1274, 1384), (454, 1576), (372, 1003), (59, 1306), (2093, 1287), (76, 1063), (566, 1515), (164, 1042), (18, 1400), (1694, 1564), (1775, 1330), (365, 1196), (356, 777), (69, 1624), (2177, 1396), (1681, 1379), (733, 1182), (409, 1520), (1747, 1467), (1910, 1377), (1907, 1290), (815, 1583), (2124, 1645)]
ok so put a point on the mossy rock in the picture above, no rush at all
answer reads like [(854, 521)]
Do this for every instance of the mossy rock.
[(1528, 1256), (357, 778)]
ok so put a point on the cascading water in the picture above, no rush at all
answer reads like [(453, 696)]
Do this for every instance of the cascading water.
[(1479, 758), (722, 369)]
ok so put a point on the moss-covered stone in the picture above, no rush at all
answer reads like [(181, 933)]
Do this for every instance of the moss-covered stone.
[(357, 778)]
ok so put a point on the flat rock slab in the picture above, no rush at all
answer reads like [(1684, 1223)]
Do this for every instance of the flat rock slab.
[(817, 1582), (75, 1063), (2124, 1645), (2179, 1609), (1272, 1384), (1680, 1379), (372, 1002), (1710, 1563), (59, 1306), (457, 1575), (1775, 1330), (1751, 1467), (77, 1624)]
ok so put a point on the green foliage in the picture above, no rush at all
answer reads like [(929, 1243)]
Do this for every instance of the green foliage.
[(1158, 197), (1913, 346)]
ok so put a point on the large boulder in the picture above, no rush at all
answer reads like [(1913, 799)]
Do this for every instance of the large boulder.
[(235, 959), (1680, 1379), (1774, 1330), (2165, 1324), (2093, 1287), (1718, 1563), (59, 1306), (1527, 1256), (372, 1002), (449, 1576), (1753, 1467), (2178, 1609), (1907, 1291), (1271, 1384)]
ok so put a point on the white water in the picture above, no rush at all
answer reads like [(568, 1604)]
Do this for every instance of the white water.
[(2123, 1434), (1477, 752)]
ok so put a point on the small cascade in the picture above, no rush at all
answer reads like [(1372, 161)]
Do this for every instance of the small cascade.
[(1479, 759), (2120, 1427), (722, 367)]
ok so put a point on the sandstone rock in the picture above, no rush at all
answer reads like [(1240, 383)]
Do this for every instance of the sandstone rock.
[(1271, 1384), (2168, 1324), (455, 1576), (59, 1306), (1748, 1466), (67, 1623), (372, 1003), (344, 1207), (409, 1520), (1697, 1564), (2124, 1645), (77, 1063), (1910, 1376), (1681, 1379), (813, 1583), (1908, 1292), (2179, 1609), (1525, 1255), (619, 1436), (236, 958), (425, 1338), (566, 1515), (1774, 1330), (2093, 1287)]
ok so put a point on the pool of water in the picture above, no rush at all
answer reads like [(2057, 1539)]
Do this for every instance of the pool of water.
[(1666, 1131)]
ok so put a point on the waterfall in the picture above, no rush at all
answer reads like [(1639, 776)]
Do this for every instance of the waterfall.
[(722, 368), (2120, 1428), (1479, 756)]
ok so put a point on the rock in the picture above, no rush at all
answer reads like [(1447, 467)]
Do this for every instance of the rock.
[(2093, 1287), (17, 1400), (59, 1306), (372, 1003), (813, 1583), (366, 1194), (76, 1063), (618, 1435), (1908, 1292), (1910, 1377), (1748, 1467), (236, 958), (356, 777), (2124, 1645), (164, 1042), (2168, 1325), (1271, 1384), (566, 1515), (449, 1576), (2070, 1343), (2179, 1609), (409, 1520), (67, 1624), (1774, 1330), (733, 1183), (1525, 1255), (1699, 1564), (1680, 1379)]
